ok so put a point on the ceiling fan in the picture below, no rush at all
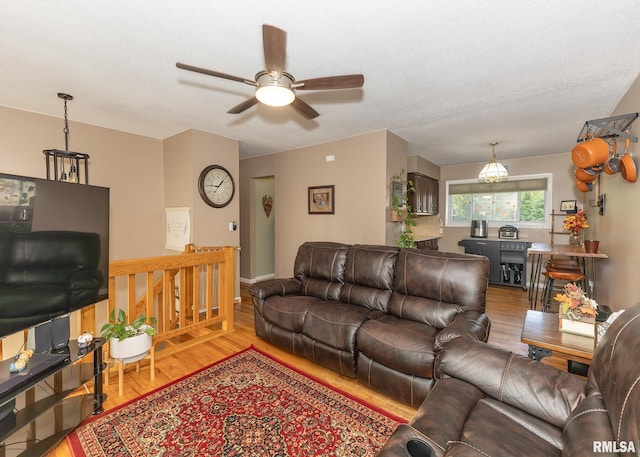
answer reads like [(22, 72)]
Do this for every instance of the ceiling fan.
[(274, 86)]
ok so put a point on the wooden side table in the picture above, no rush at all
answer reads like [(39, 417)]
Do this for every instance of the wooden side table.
[(541, 332)]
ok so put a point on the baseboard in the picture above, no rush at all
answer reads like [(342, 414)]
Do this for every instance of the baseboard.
[(257, 278)]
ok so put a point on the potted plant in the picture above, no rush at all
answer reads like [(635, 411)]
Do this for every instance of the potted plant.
[(128, 342), (402, 212)]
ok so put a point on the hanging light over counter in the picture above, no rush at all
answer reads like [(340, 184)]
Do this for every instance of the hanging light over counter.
[(494, 171)]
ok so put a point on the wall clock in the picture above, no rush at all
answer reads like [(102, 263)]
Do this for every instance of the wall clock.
[(216, 186)]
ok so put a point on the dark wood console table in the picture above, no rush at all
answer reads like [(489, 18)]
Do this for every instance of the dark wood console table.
[(47, 395)]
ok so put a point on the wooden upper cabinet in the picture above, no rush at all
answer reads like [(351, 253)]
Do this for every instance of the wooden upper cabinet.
[(424, 200)]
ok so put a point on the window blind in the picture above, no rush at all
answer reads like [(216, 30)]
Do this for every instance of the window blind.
[(524, 185)]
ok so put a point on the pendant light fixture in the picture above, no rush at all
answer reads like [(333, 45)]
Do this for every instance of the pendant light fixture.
[(59, 156), (494, 171)]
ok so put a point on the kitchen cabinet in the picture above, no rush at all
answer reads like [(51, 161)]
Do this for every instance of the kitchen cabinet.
[(424, 199), (507, 258)]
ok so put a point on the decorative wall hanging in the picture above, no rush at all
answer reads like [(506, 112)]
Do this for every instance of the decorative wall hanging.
[(177, 228), (267, 204), (321, 200)]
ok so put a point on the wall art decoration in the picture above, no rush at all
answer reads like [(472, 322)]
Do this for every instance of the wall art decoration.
[(267, 204), (321, 200)]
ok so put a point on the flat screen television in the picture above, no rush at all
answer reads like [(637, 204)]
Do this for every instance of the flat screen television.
[(54, 249)]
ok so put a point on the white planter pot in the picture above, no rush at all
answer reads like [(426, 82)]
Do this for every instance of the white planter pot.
[(131, 349)]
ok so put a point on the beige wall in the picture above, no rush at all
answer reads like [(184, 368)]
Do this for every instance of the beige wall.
[(185, 156), (360, 175), (130, 165), (617, 229)]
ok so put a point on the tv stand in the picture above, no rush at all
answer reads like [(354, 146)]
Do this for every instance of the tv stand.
[(47, 391)]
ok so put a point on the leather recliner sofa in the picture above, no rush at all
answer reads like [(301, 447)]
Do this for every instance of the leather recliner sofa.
[(496, 403), (45, 274), (376, 313)]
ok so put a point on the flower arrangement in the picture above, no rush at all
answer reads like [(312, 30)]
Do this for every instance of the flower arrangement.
[(575, 304), (576, 222)]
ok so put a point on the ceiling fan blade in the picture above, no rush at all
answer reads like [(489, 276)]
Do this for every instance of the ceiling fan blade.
[(275, 47), (303, 108), (217, 74), (248, 103), (331, 82)]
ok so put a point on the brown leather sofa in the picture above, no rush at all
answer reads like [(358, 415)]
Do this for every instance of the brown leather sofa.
[(497, 403), (376, 313)]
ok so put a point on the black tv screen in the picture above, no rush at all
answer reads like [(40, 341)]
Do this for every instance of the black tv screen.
[(54, 249)]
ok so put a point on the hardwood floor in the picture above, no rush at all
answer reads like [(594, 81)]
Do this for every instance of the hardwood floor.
[(506, 308)]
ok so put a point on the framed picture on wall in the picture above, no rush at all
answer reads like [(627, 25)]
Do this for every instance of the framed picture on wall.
[(569, 206), (397, 193), (321, 200)]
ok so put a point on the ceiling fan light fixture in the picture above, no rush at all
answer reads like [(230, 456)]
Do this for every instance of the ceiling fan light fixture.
[(494, 171), (274, 89)]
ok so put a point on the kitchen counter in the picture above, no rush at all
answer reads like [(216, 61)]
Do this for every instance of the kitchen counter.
[(494, 238), (423, 237)]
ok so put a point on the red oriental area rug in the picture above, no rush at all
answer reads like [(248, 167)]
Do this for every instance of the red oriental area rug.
[(249, 404)]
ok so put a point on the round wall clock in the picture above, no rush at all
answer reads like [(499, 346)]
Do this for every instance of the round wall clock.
[(216, 186)]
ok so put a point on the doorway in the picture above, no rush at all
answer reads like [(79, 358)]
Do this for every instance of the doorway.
[(264, 233)]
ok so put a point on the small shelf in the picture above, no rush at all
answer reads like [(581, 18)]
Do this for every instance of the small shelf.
[(43, 408)]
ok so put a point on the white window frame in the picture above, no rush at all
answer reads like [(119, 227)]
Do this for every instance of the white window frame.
[(545, 224)]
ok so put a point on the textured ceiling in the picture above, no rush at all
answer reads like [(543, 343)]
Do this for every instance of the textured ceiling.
[(447, 76)]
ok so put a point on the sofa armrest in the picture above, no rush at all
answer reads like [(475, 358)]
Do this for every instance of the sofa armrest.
[(470, 324), (540, 390), (270, 287)]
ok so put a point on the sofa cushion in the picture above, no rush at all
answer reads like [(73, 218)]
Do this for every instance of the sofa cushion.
[(588, 423), (335, 324), (368, 276), (433, 287), (288, 312), (489, 421), (319, 266), (404, 345), (458, 416)]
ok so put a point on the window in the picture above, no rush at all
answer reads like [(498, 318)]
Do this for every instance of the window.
[(522, 200)]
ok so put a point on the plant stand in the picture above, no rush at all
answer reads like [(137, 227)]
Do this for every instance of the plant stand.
[(151, 356)]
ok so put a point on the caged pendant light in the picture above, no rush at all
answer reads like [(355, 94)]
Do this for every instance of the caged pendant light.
[(60, 156), (494, 171)]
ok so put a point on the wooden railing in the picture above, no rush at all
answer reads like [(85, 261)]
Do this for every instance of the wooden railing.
[(205, 277), (204, 308)]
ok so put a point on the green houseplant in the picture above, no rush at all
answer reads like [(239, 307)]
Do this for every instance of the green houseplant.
[(405, 214), (129, 342)]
